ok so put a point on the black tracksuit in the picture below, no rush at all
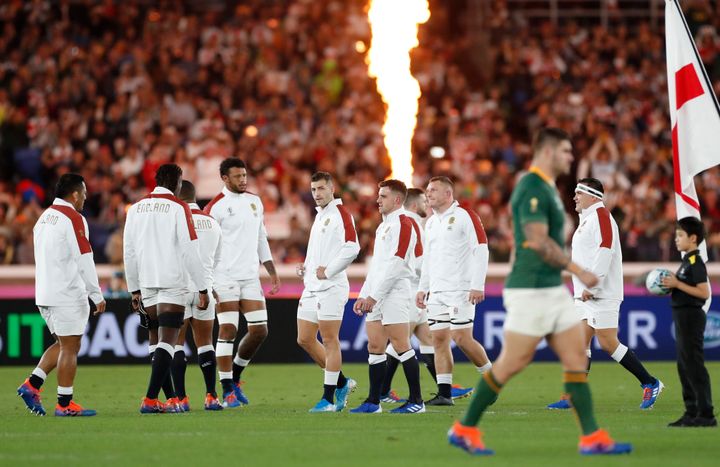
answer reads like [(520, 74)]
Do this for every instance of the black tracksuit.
[(689, 319)]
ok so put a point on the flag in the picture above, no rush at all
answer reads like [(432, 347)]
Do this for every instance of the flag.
[(694, 113)]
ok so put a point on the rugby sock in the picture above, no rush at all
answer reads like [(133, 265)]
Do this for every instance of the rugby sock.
[(427, 353), (393, 360), (208, 365), (239, 365), (482, 369), (37, 378), (64, 395), (589, 355), (342, 380), (167, 385), (631, 363), (178, 367), (330, 385), (412, 374), (226, 381), (581, 400), (161, 361), (377, 374), (486, 393), (444, 384)]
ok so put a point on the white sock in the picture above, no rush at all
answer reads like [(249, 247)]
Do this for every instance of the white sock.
[(179, 348), (205, 348), (445, 378), (225, 375), (619, 353), (240, 361), (331, 377), (484, 368), (427, 349), (39, 373), (65, 391), (151, 348)]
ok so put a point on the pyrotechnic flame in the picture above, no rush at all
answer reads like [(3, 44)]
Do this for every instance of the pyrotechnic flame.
[(394, 27)]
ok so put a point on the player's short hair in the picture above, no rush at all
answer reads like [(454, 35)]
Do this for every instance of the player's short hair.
[(549, 137), (168, 176), (69, 183), (394, 185), (692, 226), (317, 176), (229, 163), (187, 191), (413, 194), (593, 183), (444, 180)]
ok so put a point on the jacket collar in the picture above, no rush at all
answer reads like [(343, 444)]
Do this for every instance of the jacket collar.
[(393, 215), (448, 211), (591, 209), (62, 202), (162, 191), (194, 206), (334, 202)]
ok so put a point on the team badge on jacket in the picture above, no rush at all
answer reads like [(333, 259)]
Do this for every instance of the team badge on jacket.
[(254, 208)]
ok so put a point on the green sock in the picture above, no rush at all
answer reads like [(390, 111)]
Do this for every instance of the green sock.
[(486, 393), (581, 401)]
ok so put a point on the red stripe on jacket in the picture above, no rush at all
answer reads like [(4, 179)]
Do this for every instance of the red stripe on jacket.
[(477, 224), (606, 233), (212, 203), (418, 244), (78, 227), (350, 234), (405, 234), (186, 209)]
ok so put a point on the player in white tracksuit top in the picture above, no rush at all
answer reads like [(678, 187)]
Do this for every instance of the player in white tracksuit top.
[(384, 297), (237, 280), (160, 249), (452, 282), (332, 246), (64, 278), (202, 321), (596, 247)]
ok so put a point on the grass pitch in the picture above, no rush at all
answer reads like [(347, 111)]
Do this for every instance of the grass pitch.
[(277, 430)]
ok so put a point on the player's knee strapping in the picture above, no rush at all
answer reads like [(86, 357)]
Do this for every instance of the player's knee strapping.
[(153, 324), (224, 348), (256, 318), (229, 317), (170, 320), (461, 324)]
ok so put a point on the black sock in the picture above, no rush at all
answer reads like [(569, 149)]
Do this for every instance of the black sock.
[(633, 365), (392, 364), (342, 380), (160, 374), (208, 366), (167, 386), (329, 392), (444, 390), (412, 374), (64, 399), (179, 365), (377, 374), (237, 371), (227, 385), (429, 360), (36, 381)]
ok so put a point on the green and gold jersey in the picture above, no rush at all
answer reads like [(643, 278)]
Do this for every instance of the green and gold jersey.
[(535, 199)]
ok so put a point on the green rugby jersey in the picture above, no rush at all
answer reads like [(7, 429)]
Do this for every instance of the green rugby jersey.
[(535, 199)]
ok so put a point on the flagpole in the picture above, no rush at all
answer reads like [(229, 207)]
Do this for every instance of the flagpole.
[(708, 83)]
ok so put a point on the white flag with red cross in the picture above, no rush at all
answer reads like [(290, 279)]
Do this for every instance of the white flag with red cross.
[(694, 113)]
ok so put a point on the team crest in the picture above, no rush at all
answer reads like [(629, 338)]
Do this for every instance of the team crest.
[(327, 222), (533, 204), (451, 221), (254, 208), (230, 211)]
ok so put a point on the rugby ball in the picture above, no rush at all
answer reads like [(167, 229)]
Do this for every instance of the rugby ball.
[(653, 281)]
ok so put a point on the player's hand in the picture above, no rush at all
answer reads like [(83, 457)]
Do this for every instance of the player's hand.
[(588, 278), (99, 308), (300, 270), (204, 301), (135, 302), (586, 295), (320, 273), (368, 304), (476, 296), (357, 306), (420, 300), (670, 281), (275, 281)]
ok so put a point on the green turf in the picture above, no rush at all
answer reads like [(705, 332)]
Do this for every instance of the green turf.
[(277, 430)]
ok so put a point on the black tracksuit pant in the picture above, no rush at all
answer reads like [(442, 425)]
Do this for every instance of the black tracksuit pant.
[(689, 330)]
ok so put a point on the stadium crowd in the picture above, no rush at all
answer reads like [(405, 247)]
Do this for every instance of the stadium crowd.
[(112, 91)]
